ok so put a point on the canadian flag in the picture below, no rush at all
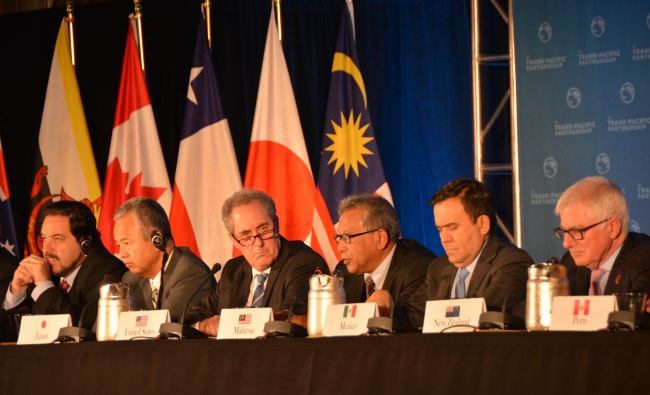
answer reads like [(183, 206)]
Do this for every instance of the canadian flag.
[(278, 163), (135, 162)]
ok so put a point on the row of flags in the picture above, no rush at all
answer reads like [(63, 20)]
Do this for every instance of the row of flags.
[(207, 171)]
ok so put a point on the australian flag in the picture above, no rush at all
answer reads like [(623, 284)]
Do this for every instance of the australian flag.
[(7, 230), (350, 162)]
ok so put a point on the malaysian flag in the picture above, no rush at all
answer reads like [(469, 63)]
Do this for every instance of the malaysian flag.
[(245, 319), (141, 320), (452, 311)]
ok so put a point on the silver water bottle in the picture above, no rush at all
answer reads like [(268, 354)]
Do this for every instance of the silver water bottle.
[(324, 290), (113, 299), (545, 281)]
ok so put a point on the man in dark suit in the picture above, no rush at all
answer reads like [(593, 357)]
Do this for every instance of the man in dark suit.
[(603, 257), (273, 272), (478, 263), (8, 265), (377, 266), (145, 243), (74, 265)]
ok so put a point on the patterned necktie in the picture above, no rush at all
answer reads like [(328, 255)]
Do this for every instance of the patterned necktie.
[(154, 295), (370, 286), (259, 290), (596, 275), (64, 286), (460, 285)]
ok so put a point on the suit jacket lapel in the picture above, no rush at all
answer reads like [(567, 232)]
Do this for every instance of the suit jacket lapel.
[(446, 282), (275, 270), (167, 274), (617, 269), (145, 286), (483, 265), (392, 267)]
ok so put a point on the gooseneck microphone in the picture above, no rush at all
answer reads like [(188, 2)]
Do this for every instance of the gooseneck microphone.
[(501, 319), (78, 333), (285, 328), (178, 330)]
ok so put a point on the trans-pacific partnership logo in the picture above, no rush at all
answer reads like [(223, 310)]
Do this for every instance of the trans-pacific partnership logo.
[(545, 32), (648, 20), (573, 97), (634, 227), (602, 164), (550, 167), (598, 26), (627, 93)]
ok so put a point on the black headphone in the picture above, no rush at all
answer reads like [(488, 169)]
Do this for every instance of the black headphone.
[(158, 240), (86, 242)]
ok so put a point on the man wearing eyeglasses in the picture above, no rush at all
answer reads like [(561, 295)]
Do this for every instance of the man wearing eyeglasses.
[(478, 263), (272, 271), (376, 264), (603, 257)]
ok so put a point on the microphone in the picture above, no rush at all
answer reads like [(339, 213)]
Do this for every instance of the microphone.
[(173, 330), (285, 328), (501, 319), (75, 334), (17, 310)]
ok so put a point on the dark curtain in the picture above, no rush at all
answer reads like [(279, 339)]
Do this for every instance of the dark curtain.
[(414, 55)]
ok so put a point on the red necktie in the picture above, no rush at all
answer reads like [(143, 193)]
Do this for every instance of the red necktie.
[(64, 286)]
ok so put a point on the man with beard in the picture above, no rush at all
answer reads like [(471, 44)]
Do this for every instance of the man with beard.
[(74, 265)]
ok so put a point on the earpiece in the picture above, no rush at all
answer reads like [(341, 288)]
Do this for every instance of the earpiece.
[(158, 240), (86, 242)]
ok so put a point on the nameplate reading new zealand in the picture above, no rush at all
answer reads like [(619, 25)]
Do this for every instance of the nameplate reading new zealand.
[(141, 324), (452, 315), (245, 323), (40, 329), (348, 319), (581, 313)]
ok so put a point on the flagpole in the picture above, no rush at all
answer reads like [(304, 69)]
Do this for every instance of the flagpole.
[(278, 17), (138, 23), (70, 22), (208, 22)]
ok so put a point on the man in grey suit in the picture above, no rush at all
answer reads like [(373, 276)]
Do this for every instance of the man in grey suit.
[(478, 263), (145, 243)]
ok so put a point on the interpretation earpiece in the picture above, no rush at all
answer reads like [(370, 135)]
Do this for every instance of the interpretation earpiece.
[(86, 243), (158, 240)]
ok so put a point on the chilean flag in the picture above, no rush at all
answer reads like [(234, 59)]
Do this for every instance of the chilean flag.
[(135, 162), (278, 163), (350, 161), (207, 172), (7, 229)]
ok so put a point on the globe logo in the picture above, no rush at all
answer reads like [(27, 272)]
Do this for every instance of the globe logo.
[(627, 93), (545, 32), (634, 227), (573, 97), (550, 167), (648, 20), (602, 164), (598, 26)]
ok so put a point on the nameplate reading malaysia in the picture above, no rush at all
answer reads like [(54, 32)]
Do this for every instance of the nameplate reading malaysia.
[(42, 329), (581, 313), (348, 319), (143, 324), (247, 323), (452, 315)]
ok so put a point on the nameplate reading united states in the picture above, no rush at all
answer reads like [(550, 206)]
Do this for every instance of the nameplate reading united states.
[(452, 315), (141, 324)]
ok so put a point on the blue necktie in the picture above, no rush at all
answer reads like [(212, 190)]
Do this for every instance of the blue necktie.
[(460, 285), (259, 291)]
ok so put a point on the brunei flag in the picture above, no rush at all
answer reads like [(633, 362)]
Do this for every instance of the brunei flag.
[(65, 164), (135, 161), (350, 161), (277, 160), (207, 172), (7, 230)]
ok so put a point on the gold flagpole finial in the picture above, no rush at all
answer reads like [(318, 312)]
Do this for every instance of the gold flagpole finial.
[(278, 17), (137, 12), (69, 19), (208, 22)]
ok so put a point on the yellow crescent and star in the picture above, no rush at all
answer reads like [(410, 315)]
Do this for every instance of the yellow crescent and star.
[(348, 141)]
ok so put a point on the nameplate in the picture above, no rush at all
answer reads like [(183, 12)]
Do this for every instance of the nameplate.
[(142, 324), (247, 323), (348, 319), (581, 313), (41, 329), (452, 315)]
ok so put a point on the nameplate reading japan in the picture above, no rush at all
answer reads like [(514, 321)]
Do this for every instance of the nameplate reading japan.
[(141, 324), (245, 323), (42, 329), (581, 313), (348, 319), (452, 315)]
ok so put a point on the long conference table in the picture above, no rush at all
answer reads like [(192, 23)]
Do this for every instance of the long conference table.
[(460, 363)]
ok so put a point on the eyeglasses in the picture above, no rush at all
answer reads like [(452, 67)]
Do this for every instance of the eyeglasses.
[(576, 234), (348, 238), (250, 240)]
